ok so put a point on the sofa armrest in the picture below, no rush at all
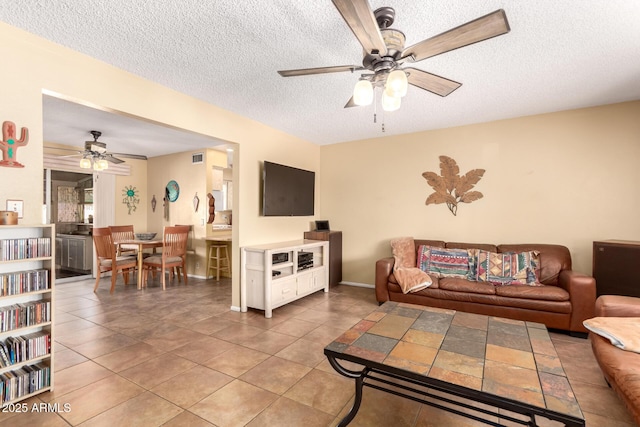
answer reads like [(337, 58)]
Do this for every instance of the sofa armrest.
[(582, 294), (617, 306), (384, 268)]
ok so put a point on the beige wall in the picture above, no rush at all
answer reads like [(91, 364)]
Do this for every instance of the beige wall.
[(138, 180), (37, 65), (567, 178), (191, 179)]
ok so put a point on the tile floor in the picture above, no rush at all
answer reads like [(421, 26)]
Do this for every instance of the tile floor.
[(182, 358)]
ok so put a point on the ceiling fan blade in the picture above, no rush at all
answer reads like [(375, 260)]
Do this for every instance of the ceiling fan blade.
[(431, 82), (360, 18), (350, 103), (129, 156), (320, 70), (75, 150), (486, 27), (109, 158)]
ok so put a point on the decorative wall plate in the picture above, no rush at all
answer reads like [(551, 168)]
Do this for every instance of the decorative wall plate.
[(173, 191)]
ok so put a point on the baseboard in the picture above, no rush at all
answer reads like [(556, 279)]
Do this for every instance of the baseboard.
[(203, 277), (235, 308), (357, 284)]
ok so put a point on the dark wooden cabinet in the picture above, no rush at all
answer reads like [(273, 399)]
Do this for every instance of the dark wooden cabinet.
[(335, 252), (616, 267)]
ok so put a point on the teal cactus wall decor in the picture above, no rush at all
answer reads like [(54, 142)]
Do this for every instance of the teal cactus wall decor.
[(9, 144)]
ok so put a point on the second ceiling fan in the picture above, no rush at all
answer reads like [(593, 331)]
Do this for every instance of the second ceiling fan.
[(385, 54)]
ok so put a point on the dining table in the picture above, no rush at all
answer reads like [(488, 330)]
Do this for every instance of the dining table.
[(142, 245)]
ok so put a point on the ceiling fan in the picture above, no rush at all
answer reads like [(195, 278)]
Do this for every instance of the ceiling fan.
[(385, 54), (95, 154)]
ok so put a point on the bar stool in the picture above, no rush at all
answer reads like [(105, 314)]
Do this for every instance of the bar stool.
[(218, 260)]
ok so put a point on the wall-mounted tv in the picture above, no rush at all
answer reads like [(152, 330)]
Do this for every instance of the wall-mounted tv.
[(287, 191)]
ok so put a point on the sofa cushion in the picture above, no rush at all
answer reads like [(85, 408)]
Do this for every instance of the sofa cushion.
[(546, 293), (464, 285), (493, 305), (442, 262), (393, 279), (435, 243), (462, 245), (503, 268)]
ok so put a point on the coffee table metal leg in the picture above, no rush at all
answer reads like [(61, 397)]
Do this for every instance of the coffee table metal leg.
[(359, 377)]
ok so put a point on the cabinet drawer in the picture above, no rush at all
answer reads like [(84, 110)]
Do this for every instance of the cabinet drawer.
[(283, 290)]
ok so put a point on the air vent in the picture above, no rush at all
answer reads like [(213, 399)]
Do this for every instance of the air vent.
[(197, 158)]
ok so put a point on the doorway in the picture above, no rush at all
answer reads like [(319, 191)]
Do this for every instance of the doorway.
[(69, 205)]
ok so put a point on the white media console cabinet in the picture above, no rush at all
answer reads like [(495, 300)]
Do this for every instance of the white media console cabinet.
[(276, 274)]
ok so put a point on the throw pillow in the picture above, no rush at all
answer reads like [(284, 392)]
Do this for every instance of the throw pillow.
[(508, 268), (442, 262)]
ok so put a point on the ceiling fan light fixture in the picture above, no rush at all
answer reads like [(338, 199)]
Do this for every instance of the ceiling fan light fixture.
[(103, 164), (390, 103), (363, 93), (397, 83), (96, 166), (85, 163)]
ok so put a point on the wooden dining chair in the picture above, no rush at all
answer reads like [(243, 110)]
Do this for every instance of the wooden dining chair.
[(174, 253), (107, 258), (120, 233)]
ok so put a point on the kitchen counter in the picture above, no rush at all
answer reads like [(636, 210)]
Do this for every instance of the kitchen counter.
[(217, 227)]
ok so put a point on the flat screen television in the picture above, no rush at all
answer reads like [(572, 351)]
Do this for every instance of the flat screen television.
[(287, 191)]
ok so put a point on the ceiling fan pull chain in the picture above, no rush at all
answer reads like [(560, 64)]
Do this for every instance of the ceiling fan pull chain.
[(375, 103)]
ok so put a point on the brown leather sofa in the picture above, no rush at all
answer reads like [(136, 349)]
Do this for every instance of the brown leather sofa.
[(621, 368), (566, 299)]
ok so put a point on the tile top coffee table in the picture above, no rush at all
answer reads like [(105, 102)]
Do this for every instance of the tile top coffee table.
[(485, 368)]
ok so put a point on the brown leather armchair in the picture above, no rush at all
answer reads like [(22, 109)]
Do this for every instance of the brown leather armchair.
[(621, 368)]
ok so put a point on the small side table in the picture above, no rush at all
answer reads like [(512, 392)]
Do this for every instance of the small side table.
[(615, 267), (335, 252)]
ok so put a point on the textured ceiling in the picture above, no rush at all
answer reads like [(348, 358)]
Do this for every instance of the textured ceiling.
[(560, 54), (70, 124)]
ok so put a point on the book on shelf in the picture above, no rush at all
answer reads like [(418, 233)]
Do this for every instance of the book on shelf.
[(26, 314), (20, 349), (24, 281), (25, 248), (25, 380)]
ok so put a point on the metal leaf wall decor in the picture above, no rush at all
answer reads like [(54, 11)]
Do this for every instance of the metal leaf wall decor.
[(450, 187)]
